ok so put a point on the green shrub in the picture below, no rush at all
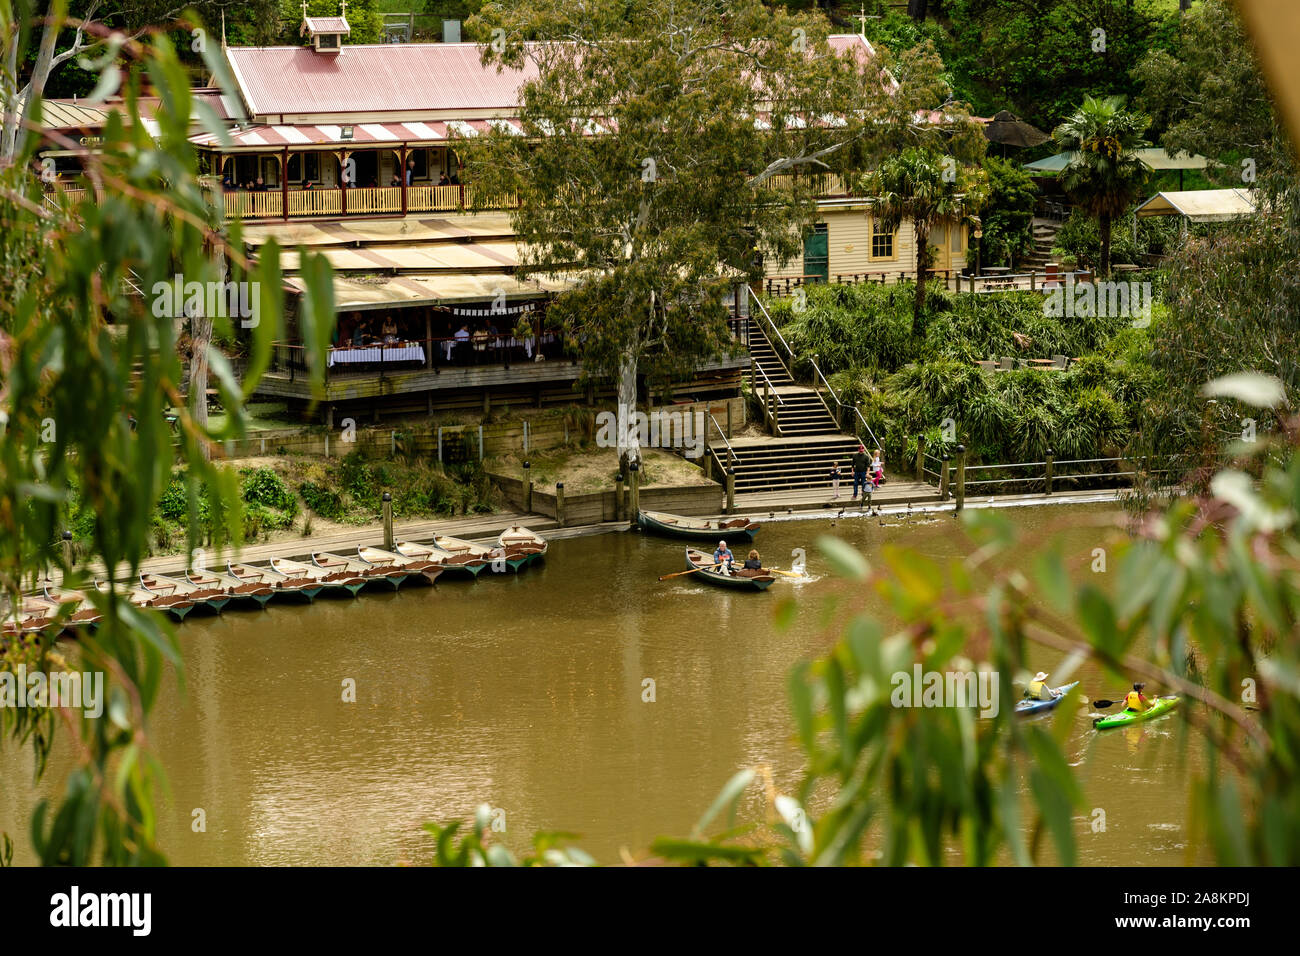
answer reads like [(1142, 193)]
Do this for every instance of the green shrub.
[(323, 501)]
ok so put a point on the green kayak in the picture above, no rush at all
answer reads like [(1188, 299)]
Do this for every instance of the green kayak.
[(1161, 705)]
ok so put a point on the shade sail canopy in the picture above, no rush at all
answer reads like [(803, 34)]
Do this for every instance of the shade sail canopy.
[(1153, 157), (1201, 205), (384, 292)]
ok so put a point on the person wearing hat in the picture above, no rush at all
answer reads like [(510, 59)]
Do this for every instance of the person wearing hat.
[(1038, 689), (1134, 700)]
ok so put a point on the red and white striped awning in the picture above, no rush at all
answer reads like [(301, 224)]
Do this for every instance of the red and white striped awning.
[(368, 134)]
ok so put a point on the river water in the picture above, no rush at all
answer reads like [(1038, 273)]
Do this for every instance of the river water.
[(526, 692)]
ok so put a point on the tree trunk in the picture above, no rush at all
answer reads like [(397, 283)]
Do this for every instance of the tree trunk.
[(1103, 226), (200, 342), (629, 447), (916, 9), (13, 128), (922, 231)]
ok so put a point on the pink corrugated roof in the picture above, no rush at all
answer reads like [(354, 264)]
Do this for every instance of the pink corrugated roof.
[(394, 77), (390, 77)]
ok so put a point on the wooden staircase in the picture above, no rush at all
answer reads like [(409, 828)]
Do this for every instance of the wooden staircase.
[(807, 438)]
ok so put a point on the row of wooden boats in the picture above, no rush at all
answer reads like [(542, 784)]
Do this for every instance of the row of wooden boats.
[(254, 584)]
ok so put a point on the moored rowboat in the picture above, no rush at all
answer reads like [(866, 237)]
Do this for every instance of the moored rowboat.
[(282, 584), (462, 565), (343, 580), (739, 579), (709, 530), (214, 598), (388, 573), (522, 547), (418, 567)]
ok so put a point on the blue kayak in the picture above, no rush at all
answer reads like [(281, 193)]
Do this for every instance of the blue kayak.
[(1028, 707)]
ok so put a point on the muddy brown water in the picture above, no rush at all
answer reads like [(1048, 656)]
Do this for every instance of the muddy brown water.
[(526, 692)]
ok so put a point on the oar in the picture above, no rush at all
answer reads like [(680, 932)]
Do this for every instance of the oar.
[(692, 571), (787, 574)]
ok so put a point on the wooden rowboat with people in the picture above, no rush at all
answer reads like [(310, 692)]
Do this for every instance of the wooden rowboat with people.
[(459, 565), (419, 567), (341, 580), (708, 530), (738, 580)]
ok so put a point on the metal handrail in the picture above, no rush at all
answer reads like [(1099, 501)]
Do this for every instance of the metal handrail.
[(731, 452), (779, 337), (770, 387)]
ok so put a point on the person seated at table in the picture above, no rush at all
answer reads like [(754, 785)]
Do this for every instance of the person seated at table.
[(480, 338), (308, 184), (455, 180), (396, 180), (461, 343), (261, 185), (443, 180), (361, 334), (389, 330)]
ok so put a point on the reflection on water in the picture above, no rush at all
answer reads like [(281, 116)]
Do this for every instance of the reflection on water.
[(526, 692)]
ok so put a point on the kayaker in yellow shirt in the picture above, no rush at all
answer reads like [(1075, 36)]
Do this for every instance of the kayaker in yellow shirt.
[(1038, 689), (1134, 700)]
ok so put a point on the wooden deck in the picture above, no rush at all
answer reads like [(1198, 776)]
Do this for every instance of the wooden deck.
[(894, 492)]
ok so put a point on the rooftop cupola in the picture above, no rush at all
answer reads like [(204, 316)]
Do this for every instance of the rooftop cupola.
[(326, 33)]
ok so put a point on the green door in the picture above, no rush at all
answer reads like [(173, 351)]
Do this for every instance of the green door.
[(816, 255)]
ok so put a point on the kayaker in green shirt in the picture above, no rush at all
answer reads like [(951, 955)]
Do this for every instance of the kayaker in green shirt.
[(1038, 689)]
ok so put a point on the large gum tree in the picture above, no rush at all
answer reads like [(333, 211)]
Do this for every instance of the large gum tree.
[(665, 146)]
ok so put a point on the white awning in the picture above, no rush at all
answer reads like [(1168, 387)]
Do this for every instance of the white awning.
[(1201, 205)]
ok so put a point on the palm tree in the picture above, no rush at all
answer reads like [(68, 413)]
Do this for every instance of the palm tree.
[(1105, 176), (921, 186)]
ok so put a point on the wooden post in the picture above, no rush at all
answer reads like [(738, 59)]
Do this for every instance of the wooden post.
[(1033, 285), (920, 459), (943, 478), (67, 555), (428, 337), (1047, 473), (776, 414), (618, 497), (634, 505), (559, 503), (402, 174), (528, 487), (728, 419), (284, 183), (961, 476), (388, 522), (731, 491)]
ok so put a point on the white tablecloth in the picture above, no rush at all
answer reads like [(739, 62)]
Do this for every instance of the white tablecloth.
[(373, 353)]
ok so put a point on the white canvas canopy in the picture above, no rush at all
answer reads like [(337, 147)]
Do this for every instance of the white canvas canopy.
[(1201, 205)]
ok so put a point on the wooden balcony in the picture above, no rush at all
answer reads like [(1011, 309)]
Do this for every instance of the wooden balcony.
[(362, 201)]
